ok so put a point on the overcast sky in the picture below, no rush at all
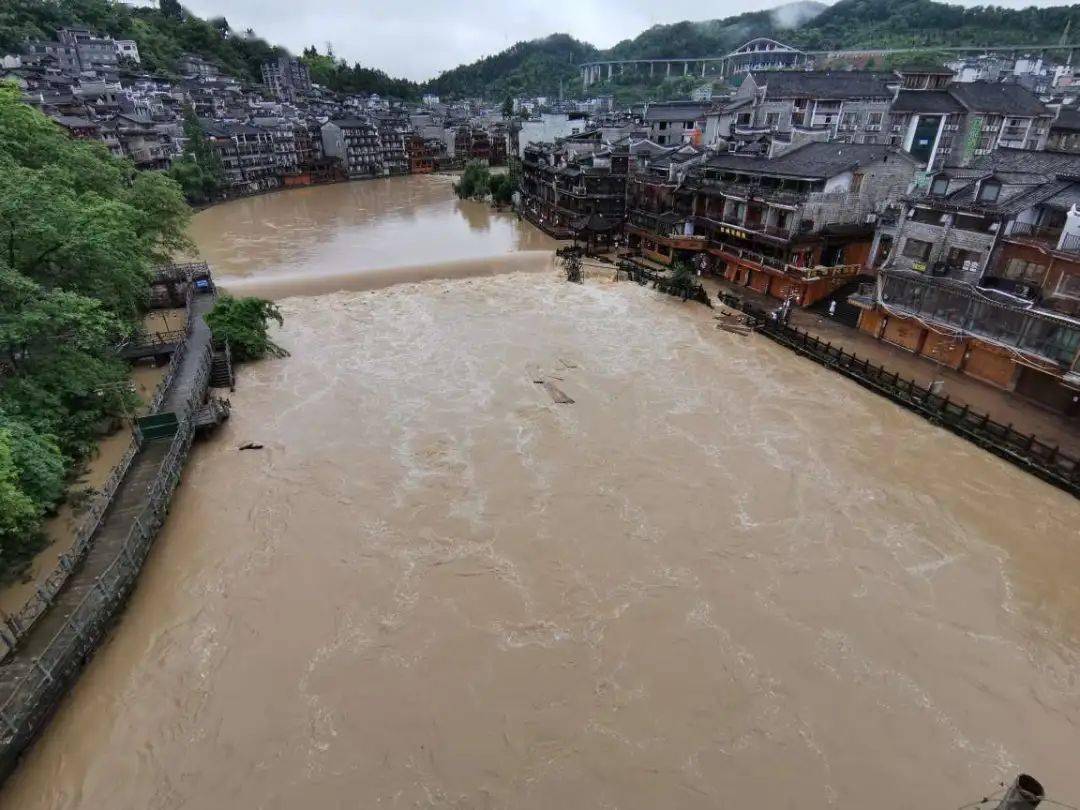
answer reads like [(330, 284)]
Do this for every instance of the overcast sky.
[(417, 39)]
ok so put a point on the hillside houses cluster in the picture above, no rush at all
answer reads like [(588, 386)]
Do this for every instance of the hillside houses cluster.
[(937, 215), (285, 131)]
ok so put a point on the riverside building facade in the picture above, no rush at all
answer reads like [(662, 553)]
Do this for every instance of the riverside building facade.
[(981, 273)]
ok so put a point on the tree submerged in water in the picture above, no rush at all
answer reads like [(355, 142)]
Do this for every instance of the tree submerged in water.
[(501, 187), (475, 182), (478, 183), (244, 323)]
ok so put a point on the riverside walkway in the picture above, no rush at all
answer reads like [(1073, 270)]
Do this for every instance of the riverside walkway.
[(46, 658)]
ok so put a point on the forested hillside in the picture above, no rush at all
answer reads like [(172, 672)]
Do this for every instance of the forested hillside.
[(527, 68), (166, 33), (911, 23), (540, 66)]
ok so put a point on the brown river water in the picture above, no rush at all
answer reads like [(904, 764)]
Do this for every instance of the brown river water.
[(722, 576)]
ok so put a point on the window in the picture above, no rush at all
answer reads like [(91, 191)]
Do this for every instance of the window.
[(967, 261), (772, 119), (688, 124), (940, 186), (1025, 271), (989, 191), (743, 120), (663, 125), (874, 119), (850, 120), (1068, 285), (917, 249)]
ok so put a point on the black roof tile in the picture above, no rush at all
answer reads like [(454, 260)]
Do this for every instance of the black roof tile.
[(826, 84)]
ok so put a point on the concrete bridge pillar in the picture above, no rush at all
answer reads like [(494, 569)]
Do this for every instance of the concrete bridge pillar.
[(685, 68), (669, 68), (610, 69), (703, 70), (651, 66)]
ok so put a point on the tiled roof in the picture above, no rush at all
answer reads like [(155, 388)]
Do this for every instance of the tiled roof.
[(812, 160), (676, 111), (926, 101), (74, 122), (1067, 120), (346, 123), (1028, 161), (826, 84), (998, 98)]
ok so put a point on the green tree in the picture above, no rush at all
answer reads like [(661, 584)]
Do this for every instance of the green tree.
[(508, 108), (19, 515), (502, 189), (73, 217), (199, 171), (245, 324), (475, 182), (171, 9), (79, 232)]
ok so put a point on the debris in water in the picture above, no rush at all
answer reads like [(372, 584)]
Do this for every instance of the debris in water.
[(557, 394), (735, 328), (250, 446)]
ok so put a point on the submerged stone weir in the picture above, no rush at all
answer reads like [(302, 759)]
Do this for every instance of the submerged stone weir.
[(50, 653)]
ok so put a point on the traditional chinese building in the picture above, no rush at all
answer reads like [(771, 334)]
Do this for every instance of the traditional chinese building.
[(355, 142), (797, 226), (983, 275), (560, 191)]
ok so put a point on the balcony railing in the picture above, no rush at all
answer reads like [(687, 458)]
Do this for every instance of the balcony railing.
[(1052, 237), (783, 233), (779, 265), (747, 190), (959, 306)]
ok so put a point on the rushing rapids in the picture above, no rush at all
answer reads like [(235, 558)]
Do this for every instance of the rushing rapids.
[(722, 574)]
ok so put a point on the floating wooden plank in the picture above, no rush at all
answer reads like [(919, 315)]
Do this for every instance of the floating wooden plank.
[(735, 328), (557, 394)]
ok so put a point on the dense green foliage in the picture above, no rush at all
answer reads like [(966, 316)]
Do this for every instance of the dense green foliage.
[(915, 23), (166, 33), (478, 183), (198, 171), (79, 232), (244, 323), (329, 71), (714, 37), (162, 36), (537, 67), (630, 89), (501, 187), (533, 68), (475, 182)]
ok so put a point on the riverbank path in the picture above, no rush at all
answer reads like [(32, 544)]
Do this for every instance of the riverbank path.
[(18, 703)]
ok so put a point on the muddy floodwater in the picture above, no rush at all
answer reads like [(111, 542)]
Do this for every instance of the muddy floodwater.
[(722, 576)]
